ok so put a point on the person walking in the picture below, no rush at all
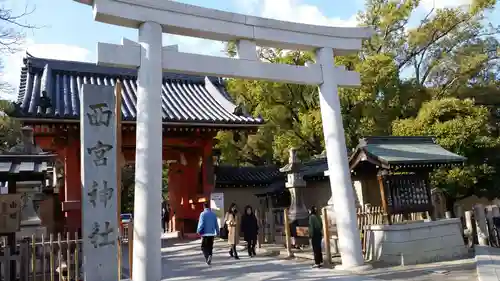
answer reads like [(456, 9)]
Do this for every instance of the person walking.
[(165, 215), (208, 228), (316, 235), (250, 229), (233, 226)]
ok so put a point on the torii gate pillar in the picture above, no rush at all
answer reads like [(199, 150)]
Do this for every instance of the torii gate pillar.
[(148, 162)]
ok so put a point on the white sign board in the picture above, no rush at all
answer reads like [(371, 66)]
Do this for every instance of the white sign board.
[(217, 205), (99, 198)]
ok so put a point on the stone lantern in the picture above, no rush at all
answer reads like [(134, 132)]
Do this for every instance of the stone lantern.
[(297, 212), (31, 190)]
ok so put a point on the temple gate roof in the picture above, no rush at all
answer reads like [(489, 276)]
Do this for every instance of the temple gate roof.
[(50, 90)]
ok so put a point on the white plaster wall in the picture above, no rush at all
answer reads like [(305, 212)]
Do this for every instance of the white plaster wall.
[(416, 243), (241, 196)]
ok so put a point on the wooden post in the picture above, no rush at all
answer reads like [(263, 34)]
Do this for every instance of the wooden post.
[(260, 234), (272, 225), (130, 230), (387, 215), (326, 237), (118, 116), (11, 237), (24, 260), (287, 234)]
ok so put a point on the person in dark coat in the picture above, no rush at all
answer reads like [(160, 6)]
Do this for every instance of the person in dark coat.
[(316, 235), (250, 229), (165, 215)]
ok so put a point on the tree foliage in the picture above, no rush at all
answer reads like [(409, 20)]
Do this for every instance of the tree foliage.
[(464, 128), (418, 73), (291, 111), (128, 185), (10, 129)]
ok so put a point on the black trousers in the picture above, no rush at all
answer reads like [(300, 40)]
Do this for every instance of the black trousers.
[(232, 251), (316, 246), (251, 246), (207, 246), (164, 223)]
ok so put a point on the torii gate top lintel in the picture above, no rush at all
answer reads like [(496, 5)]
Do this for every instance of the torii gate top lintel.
[(189, 20)]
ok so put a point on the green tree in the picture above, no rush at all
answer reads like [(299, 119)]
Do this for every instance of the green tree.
[(128, 185), (464, 128), (448, 53), (291, 111), (10, 129)]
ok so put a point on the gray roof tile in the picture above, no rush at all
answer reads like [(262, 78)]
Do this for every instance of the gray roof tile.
[(51, 89), (404, 150)]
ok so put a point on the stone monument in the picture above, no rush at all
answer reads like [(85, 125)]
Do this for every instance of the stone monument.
[(99, 185), (152, 18)]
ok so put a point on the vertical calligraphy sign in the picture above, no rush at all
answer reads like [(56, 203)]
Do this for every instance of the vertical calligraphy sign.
[(99, 187)]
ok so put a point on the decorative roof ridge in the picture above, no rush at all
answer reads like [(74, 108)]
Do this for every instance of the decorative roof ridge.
[(396, 140), (229, 166), (31, 62), (315, 161)]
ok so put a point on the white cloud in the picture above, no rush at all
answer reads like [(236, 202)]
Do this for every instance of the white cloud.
[(440, 4), (286, 10), (296, 11), (195, 45), (293, 11), (12, 63)]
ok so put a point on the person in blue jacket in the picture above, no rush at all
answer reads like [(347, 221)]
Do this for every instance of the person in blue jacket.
[(208, 228)]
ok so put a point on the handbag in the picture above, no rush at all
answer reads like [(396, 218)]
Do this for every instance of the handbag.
[(224, 232)]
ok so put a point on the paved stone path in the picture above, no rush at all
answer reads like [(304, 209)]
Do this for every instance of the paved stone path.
[(184, 261), (458, 270)]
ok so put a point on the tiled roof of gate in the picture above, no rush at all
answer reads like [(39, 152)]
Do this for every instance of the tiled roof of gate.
[(260, 175), (50, 89), (267, 175), (403, 151)]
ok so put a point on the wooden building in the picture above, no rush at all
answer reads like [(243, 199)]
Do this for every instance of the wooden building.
[(194, 110)]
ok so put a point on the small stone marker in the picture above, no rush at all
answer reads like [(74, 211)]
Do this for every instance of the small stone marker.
[(99, 198), (10, 208)]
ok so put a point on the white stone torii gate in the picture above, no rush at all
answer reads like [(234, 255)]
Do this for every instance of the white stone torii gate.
[(152, 18)]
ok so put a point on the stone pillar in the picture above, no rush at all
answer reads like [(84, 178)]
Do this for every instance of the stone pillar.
[(342, 202), (148, 165), (481, 227), (438, 203)]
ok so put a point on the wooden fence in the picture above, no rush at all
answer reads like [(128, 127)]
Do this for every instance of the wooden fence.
[(482, 225), (46, 259), (371, 215), (366, 215)]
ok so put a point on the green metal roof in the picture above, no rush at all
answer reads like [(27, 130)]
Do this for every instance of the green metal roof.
[(393, 150)]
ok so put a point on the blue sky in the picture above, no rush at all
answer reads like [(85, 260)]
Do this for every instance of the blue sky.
[(67, 29)]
